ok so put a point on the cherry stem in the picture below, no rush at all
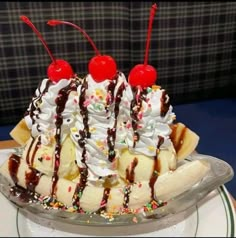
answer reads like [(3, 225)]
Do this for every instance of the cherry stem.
[(30, 24), (151, 17), (58, 22)]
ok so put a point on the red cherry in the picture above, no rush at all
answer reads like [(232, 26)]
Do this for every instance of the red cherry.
[(101, 67), (58, 69), (142, 75), (145, 75)]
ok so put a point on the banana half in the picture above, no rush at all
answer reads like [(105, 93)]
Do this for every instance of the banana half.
[(184, 140)]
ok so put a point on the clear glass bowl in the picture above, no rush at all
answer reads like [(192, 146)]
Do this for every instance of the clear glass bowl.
[(220, 173)]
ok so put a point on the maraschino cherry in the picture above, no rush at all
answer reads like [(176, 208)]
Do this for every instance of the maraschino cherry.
[(58, 69), (101, 67), (144, 75)]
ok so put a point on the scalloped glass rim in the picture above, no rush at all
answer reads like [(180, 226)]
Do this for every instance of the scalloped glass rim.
[(220, 173)]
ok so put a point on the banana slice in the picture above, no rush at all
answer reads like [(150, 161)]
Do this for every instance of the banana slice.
[(20, 133), (184, 140), (174, 183), (92, 198)]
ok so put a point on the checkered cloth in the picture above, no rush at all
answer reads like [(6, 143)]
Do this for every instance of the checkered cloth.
[(192, 46)]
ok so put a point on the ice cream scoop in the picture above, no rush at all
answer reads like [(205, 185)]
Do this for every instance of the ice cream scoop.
[(39, 153), (135, 167)]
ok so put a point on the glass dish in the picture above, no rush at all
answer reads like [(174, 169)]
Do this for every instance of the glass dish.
[(220, 173)]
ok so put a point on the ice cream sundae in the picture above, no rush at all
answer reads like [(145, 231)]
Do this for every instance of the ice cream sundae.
[(103, 143)]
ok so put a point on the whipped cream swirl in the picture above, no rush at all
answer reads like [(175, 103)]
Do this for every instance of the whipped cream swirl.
[(98, 136), (41, 114), (149, 130), (102, 118)]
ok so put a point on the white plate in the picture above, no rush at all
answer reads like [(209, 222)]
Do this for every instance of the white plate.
[(213, 216)]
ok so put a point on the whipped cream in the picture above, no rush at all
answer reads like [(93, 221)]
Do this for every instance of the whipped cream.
[(99, 127), (152, 122), (42, 112), (102, 118)]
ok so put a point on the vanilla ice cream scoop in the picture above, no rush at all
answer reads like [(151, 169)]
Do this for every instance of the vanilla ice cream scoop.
[(135, 167), (39, 153)]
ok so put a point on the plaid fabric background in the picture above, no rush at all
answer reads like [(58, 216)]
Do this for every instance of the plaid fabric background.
[(192, 46)]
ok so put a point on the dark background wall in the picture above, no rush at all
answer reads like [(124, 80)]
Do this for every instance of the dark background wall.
[(192, 46)]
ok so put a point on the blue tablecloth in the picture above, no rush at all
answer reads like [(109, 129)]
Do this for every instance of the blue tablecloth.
[(213, 120)]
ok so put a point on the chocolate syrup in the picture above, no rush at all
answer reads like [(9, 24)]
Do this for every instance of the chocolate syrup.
[(13, 166), (32, 178), (80, 188), (83, 108), (106, 193), (24, 195), (130, 174), (135, 107), (111, 136), (60, 101), (126, 196), (111, 132), (37, 146), (29, 150), (85, 133), (165, 104), (36, 101), (156, 167), (110, 91)]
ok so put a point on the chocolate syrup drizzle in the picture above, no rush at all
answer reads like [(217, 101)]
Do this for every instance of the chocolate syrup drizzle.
[(37, 146), (60, 101), (165, 103), (126, 196), (135, 107), (130, 174), (106, 193), (37, 100), (156, 168), (13, 167), (32, 178), (83, 109), (84, 134), (28, 151), (111, 132), (110, 90), (80, 188)]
